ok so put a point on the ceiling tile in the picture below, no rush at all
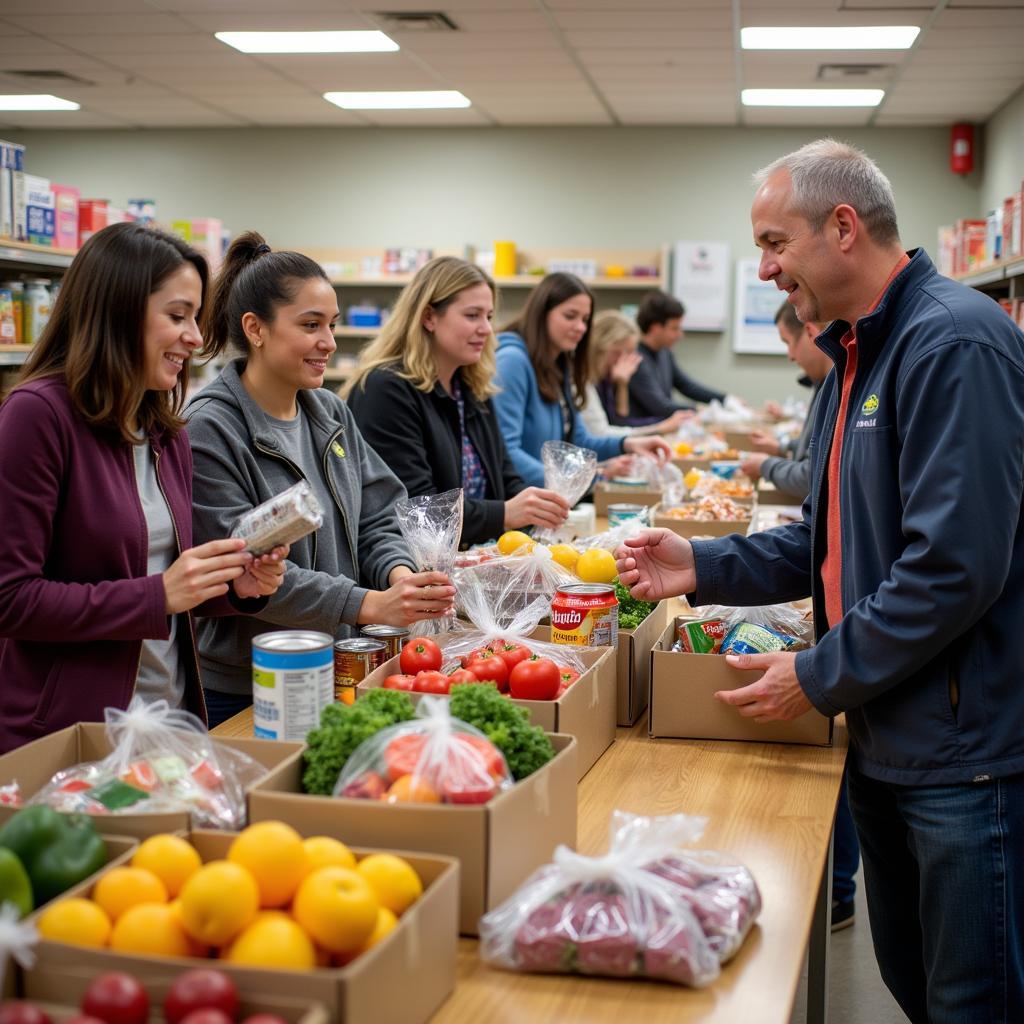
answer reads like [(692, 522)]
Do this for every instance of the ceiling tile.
[(282, 19), (895, 13), (956, 38), (12, 7), (102, 45), (90, 24), (626, 20), (648, 57), (615, 5), (652, 40), (469, 42), (995, 17), (494, 21)]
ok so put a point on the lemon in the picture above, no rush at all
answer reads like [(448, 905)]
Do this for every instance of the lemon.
[(692, 477), (596, 566), (512, 541), (682, 448), (565, 555)]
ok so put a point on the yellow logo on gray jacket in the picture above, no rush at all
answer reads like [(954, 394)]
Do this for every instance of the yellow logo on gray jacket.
[(338, 450), (870, 405)]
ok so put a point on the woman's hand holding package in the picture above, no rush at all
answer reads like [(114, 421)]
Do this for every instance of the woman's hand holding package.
[(411, 597), (536, 507), (204, 572), (263, 575), (656, 447)]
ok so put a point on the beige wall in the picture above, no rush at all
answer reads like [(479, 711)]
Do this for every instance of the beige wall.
[(602, 187), (1003, 154)]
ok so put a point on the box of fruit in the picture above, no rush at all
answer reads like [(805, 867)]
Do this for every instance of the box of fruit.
[(301, 917)]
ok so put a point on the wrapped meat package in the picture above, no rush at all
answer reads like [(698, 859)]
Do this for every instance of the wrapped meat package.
[(646, 909)]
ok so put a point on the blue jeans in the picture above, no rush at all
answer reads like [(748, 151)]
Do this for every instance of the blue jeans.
[(845, 851), (222, 706), (944, 876)]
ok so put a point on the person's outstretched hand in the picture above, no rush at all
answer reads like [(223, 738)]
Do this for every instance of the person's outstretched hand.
[(656, 563)]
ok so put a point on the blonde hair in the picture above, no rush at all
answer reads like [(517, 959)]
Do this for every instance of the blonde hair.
[(609, 328), (404, 341)]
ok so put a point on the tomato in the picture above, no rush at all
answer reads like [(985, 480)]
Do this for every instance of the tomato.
[(264, 1018), (431, 682), (402, 754), (467, 658), (461, 675), (207, 1016), (116, 998), (468, 791), (494, 760), (568, 676), (399, 682), (22, 1013), (511, 652), (201, 989), (489, 668), (420, 654), (535, 679)]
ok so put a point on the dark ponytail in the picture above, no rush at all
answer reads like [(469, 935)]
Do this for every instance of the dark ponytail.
[(253, 279)]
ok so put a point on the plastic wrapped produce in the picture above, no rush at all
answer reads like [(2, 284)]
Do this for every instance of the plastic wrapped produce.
[(432, 759), (162, 759), (645, 909)]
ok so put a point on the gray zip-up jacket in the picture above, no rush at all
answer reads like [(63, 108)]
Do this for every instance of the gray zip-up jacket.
[(793, 475), (238, 465)]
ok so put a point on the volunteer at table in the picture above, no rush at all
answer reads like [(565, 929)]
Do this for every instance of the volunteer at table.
[(422, 397), (98, 574), (265, 423)]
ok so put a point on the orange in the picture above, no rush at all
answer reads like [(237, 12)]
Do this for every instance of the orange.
[(683, 448), (397, 886), (337, 907), (197, 948), (324, 852), (565, 555), (273, 940), (123, 887), (170, 858), (218, 901), (410, 789), (596, 565), (153, 928), (515, 541), (274, 854), (80, 922), (386, 924)]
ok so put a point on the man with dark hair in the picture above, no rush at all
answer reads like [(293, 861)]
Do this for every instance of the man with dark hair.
[(660, 320)]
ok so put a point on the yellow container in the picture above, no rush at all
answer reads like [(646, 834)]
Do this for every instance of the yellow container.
[(504, 259)]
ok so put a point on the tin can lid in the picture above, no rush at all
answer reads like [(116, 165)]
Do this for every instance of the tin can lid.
[(292, 640), (582, 589), (360, 645), (376, 629)]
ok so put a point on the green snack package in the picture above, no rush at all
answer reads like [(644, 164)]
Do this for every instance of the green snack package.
[(116, 794)]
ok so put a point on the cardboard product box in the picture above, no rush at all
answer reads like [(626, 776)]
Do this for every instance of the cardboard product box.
[(34, 764), (611, 494), (633, 665), (65, 205), (707, 528), (420, 954), (683, 704), (587, 710), (498, 844), (92, 217)]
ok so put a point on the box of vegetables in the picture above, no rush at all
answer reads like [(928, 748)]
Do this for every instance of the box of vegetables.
[(640, 627), (465, 776)]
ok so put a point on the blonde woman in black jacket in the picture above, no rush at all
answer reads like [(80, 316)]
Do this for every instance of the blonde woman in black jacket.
[(422, 399)]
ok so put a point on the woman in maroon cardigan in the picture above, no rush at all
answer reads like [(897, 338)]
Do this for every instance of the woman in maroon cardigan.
[(97, 572)]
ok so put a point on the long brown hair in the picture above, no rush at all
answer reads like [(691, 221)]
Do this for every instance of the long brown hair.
[(94, 338), (532, 326), (405, 343)]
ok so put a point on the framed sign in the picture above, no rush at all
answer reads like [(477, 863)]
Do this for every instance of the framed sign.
[(700, 281), (757, 302)]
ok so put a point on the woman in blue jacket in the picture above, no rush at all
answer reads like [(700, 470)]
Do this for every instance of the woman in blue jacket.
[(542, 372)]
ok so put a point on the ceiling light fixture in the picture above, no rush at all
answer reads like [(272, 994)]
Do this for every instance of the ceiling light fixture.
[(812, 97), (441, 99), (851, 37), (36, 101), (308, 42)]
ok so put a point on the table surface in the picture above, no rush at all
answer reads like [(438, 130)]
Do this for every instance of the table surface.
[(769, 805)]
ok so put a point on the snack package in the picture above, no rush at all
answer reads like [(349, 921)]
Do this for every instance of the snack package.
[(163, 759), (655, 476), (645, 909), (789, 623), (732, 413), (10, 795), (432, 525), (286, 518), (506, 599), (432, 759), (569, 470)]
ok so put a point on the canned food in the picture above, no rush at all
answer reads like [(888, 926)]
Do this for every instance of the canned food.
[(292, 682), (622, 511), (393, 636), (354, 660), (585, 615), (629, 481)]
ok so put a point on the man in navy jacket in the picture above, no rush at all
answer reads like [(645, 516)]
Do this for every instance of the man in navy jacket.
[(912, 546)]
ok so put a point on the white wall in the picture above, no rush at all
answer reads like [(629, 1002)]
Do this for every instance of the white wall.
[(543, 187), (1003, 155)]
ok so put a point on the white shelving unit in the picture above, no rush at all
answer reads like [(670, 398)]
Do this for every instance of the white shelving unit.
[(22, 259)]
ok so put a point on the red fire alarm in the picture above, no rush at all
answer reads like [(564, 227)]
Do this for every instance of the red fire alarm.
[(961, 149)]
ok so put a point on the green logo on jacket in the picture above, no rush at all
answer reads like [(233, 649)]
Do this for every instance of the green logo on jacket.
[(338, 450), (870, 405)]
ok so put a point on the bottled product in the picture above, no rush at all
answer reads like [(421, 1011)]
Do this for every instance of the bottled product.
[(17, 290), (37, 309), (6, 316)]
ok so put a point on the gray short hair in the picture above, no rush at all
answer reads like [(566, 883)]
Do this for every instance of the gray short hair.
[(827, 173)]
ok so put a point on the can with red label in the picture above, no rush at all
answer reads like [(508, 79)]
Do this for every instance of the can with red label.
[(354, 660), (393, 636), (585, 615)]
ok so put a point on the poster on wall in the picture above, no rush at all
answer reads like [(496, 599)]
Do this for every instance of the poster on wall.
[(700, 281), (757, 302)]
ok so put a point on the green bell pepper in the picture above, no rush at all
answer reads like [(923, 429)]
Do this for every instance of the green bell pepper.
[(15, 886), (57, 850)]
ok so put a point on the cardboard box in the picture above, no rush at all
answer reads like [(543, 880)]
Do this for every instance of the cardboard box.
[(498, 844), (707, 528), (633, 664), (683, 704), (65, 228), (419, 954), (92, 217), (587, 710), (610, 494), (34, 764)]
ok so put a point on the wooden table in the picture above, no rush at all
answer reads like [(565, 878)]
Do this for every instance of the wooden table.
[(770, 805)]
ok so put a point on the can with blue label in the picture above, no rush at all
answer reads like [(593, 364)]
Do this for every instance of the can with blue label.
[(292, 682), (621, 511)]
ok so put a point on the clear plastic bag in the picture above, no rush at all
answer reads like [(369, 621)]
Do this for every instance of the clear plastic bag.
[(286, 518), (432, 525), (613, 538), (432, 759), (18, 941), (568, 470), (506, 599), (782, 618), (163, 759), (644, 909)]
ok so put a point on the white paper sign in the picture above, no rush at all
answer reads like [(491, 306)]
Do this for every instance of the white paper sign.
[(757, 302), (700, 281)]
